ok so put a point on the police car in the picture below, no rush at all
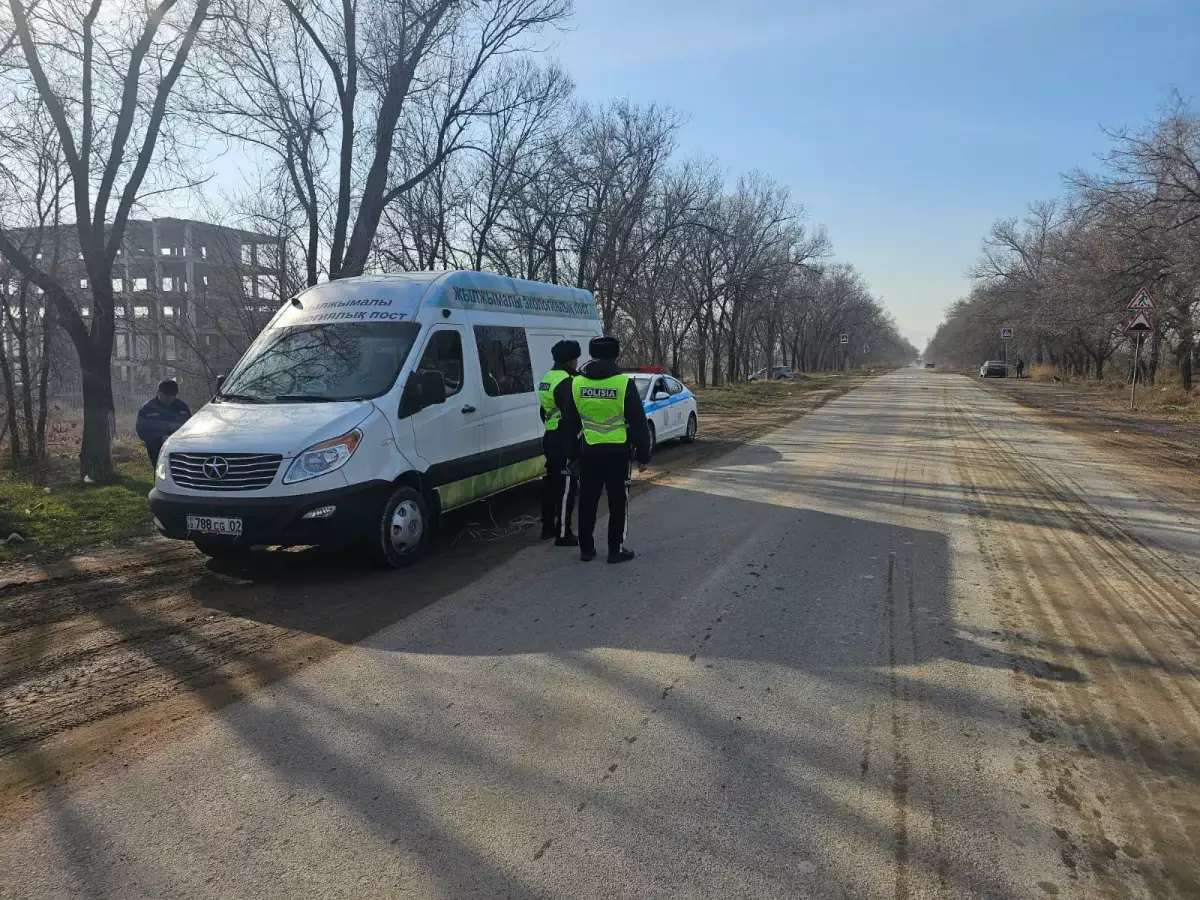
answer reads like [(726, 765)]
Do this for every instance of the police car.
[(670, 406)]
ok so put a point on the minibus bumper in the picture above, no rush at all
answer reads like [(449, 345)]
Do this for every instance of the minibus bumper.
[(284, 521)]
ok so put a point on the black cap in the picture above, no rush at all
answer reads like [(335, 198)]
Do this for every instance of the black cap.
[(169, 387), (565, 351), (604, 347)]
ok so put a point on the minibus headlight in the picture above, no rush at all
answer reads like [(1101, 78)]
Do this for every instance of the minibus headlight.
[(324, 457), (160, 470)]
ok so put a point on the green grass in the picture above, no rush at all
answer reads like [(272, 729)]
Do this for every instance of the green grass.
[(68, 517)]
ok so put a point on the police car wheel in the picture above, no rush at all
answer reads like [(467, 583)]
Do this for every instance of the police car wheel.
[(653, 436), (403, 532), (690, 434)]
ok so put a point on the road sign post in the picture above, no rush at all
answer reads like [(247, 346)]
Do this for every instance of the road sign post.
[(1141, 303), (844, 340), (1133, 386), (1006, 335)]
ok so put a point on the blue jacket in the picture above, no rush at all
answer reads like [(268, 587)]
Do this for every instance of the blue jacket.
[(155, 422)]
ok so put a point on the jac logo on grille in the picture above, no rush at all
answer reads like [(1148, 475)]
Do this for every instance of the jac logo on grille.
[(215, 468), (598, 393)]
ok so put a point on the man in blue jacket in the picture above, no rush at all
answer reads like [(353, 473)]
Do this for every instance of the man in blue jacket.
[(161, 417)]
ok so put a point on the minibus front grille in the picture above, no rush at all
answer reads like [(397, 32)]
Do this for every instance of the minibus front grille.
[(224, 471)]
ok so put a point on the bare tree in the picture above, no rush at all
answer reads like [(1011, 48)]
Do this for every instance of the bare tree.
[(370, 99), (104, 72)]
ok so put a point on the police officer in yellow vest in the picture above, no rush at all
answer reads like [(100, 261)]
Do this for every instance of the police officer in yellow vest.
[(558, 487), (604, 405)]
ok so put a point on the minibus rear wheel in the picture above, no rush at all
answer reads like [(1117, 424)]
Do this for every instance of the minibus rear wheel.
[(404, 526)]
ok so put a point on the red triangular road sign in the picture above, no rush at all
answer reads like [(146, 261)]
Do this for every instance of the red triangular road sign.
[(1140, 324), (1141, 300)]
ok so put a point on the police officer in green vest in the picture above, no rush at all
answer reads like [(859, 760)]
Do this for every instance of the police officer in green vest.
[(558, 487), (605, 407)]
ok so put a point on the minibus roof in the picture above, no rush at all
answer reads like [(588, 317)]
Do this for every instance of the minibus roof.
[(384, 298)]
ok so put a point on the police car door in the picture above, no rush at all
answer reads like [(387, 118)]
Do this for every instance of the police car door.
[(659, 410), (677, 408)]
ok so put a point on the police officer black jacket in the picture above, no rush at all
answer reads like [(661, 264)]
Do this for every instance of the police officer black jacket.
[(635, 415)]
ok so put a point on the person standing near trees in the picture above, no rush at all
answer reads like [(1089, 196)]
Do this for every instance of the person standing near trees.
[(161, 417), (1020, 368)]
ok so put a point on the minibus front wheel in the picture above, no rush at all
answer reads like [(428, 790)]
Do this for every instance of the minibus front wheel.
[(404, 528)]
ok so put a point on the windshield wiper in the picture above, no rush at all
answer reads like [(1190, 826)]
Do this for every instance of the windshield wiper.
[(306, 398), (241, 398)]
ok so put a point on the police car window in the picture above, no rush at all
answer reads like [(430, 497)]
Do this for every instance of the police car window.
[(444, 354), (673, 386), (504, 360)]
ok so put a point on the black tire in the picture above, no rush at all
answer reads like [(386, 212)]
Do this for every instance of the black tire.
[(690, 434), (402, 534), (221, 550), (653, 437)]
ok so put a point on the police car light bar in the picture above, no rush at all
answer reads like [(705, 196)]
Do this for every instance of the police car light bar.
[(647, 370)]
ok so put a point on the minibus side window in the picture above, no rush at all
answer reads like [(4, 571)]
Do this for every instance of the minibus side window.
[(504, 360), (444, 354)]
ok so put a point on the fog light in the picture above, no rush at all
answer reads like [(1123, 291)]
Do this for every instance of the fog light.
[(321, 512)]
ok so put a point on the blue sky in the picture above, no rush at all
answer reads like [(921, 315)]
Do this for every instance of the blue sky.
[(905, 126)]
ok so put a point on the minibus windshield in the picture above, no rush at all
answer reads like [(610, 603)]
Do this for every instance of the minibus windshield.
[(321, 363)]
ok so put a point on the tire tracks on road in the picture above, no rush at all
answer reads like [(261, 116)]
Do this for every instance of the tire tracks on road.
[(1083, 584)]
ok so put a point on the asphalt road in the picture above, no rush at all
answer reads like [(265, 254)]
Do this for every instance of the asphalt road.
[(915, 644)]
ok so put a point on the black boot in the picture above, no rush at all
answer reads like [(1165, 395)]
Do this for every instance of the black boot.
[(623, 556), (567, 540), (587, 555)]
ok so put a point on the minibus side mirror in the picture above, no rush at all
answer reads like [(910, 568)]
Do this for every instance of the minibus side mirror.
[(220, 382)]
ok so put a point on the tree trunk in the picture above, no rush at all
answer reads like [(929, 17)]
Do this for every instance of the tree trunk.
[(10, 389), (26, 381), (95, 456), (38, 441), (10, 420)]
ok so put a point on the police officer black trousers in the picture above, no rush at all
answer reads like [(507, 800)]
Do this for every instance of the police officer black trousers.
[(558, 490), (602, 473)]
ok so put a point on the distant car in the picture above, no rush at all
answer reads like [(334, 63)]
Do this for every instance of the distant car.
[(670, 407), (778, 372), (929, 365), (994, 368)]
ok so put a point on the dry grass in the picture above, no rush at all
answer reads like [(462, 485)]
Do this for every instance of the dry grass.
[(751, 394), (1165, 400)]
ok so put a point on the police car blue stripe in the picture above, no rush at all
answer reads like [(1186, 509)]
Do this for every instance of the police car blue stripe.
[(660, 404)]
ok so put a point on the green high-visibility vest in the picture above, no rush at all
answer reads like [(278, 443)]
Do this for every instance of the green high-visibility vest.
[(550, 381), (601, 406)]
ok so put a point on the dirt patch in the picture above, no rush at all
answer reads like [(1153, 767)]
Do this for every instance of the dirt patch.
[(1164, 440), (107, 656)]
